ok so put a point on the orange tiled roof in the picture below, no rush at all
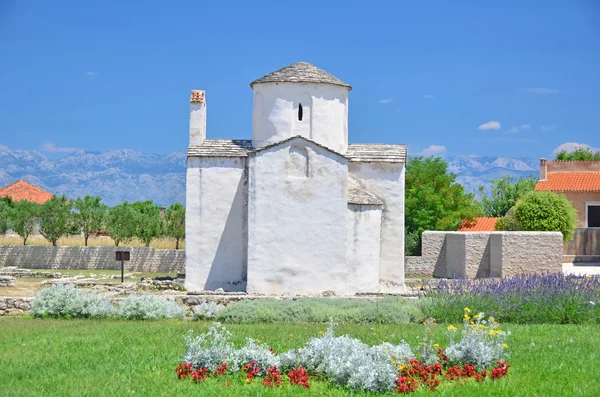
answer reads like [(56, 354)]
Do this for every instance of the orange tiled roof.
[(21, 190), (570, 182), (478, 225)]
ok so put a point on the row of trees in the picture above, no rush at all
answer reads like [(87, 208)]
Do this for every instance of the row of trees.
[(60, 217), (435, 201)]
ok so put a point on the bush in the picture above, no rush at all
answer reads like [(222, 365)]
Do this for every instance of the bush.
[(206, 310), (546, 211), (508, 223), (148, 307), (321, 310), (209, 349), (481, 343), (541, 299), (68, 302)]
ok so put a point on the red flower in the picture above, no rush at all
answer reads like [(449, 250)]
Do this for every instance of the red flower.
[(183, 370), (299, 377), (221, 369), (199, 375), (273, 377), (406, 385)]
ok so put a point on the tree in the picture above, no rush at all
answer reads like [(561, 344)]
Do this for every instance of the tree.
[(121, 222), (22, 218), (434, 201), (57, 219), (546, 211), (90, 215), (148, 223), (5, 207), (582, 153), (504, 194), (175, 222)]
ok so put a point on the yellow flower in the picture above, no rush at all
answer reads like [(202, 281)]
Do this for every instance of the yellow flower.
[(452, 328), (476, 316), (322, 332), (467, 310), (466, 317), (436, 345), (504, 345), (472, 323)]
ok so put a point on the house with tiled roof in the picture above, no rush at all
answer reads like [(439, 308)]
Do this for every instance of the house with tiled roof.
[(579, 181), (480, 224), (22, 190)]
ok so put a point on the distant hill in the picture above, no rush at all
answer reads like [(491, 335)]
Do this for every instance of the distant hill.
[(121, 175)]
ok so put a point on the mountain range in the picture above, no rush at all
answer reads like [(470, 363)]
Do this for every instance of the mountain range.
[(131, 175)]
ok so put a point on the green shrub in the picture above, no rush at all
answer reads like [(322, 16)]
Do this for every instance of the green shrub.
[(321, 310), (546, 211), (508, 222)]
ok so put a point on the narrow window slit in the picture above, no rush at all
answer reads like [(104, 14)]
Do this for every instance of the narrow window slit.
[(300, 112)]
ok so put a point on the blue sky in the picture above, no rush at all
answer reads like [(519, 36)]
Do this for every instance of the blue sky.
[(506, 78)]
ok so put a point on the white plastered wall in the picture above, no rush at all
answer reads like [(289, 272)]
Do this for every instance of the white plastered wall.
[(386, 181), (325, 114), (297, 223), (364, 230), (216, 233)]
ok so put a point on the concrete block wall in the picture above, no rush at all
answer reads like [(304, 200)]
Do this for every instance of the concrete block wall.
[(146, 259), (490, 254)]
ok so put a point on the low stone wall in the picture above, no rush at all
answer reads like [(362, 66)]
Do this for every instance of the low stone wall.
[(488, 254), (7, 281), (146, 259), (14, 305), (416, 266)]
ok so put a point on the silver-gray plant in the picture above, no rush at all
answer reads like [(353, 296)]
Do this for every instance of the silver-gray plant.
[(206, 310), (481, 343), (69, 302), (148, 307), (209, 349)]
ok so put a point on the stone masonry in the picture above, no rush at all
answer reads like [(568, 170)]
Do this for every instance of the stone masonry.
[(7, 281), (146, 259)]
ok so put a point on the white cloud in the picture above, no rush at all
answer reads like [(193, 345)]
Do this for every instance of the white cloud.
[(428, 96), (50, 147), (542, 90), (433, 150), (572, 146), (490, 125), (549, 127), (384, 101), (92, 74), (514, 130)]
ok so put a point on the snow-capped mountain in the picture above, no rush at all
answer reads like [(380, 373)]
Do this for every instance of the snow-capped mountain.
[(121, 175)]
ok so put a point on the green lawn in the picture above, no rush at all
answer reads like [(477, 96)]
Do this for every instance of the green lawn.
[(118, 358)]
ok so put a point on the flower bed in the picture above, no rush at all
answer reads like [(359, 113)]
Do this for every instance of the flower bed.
[(548, 298), (476, 352)]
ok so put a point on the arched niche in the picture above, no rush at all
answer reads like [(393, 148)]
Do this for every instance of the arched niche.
[(297, 164)]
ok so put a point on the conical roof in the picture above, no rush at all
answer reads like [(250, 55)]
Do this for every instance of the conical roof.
[(300, 72)]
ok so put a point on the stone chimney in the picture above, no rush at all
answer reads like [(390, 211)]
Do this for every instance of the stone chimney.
[(197, 118), (543, 169)]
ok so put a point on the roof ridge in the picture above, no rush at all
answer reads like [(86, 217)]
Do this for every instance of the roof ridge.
[(271, 145)]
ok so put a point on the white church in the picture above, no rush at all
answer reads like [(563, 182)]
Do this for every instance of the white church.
[(297, 209)]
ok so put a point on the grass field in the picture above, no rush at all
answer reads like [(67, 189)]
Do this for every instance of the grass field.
[(118, 358), (99, 241)]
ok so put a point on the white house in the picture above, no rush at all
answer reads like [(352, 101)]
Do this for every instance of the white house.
[(296, 209)]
